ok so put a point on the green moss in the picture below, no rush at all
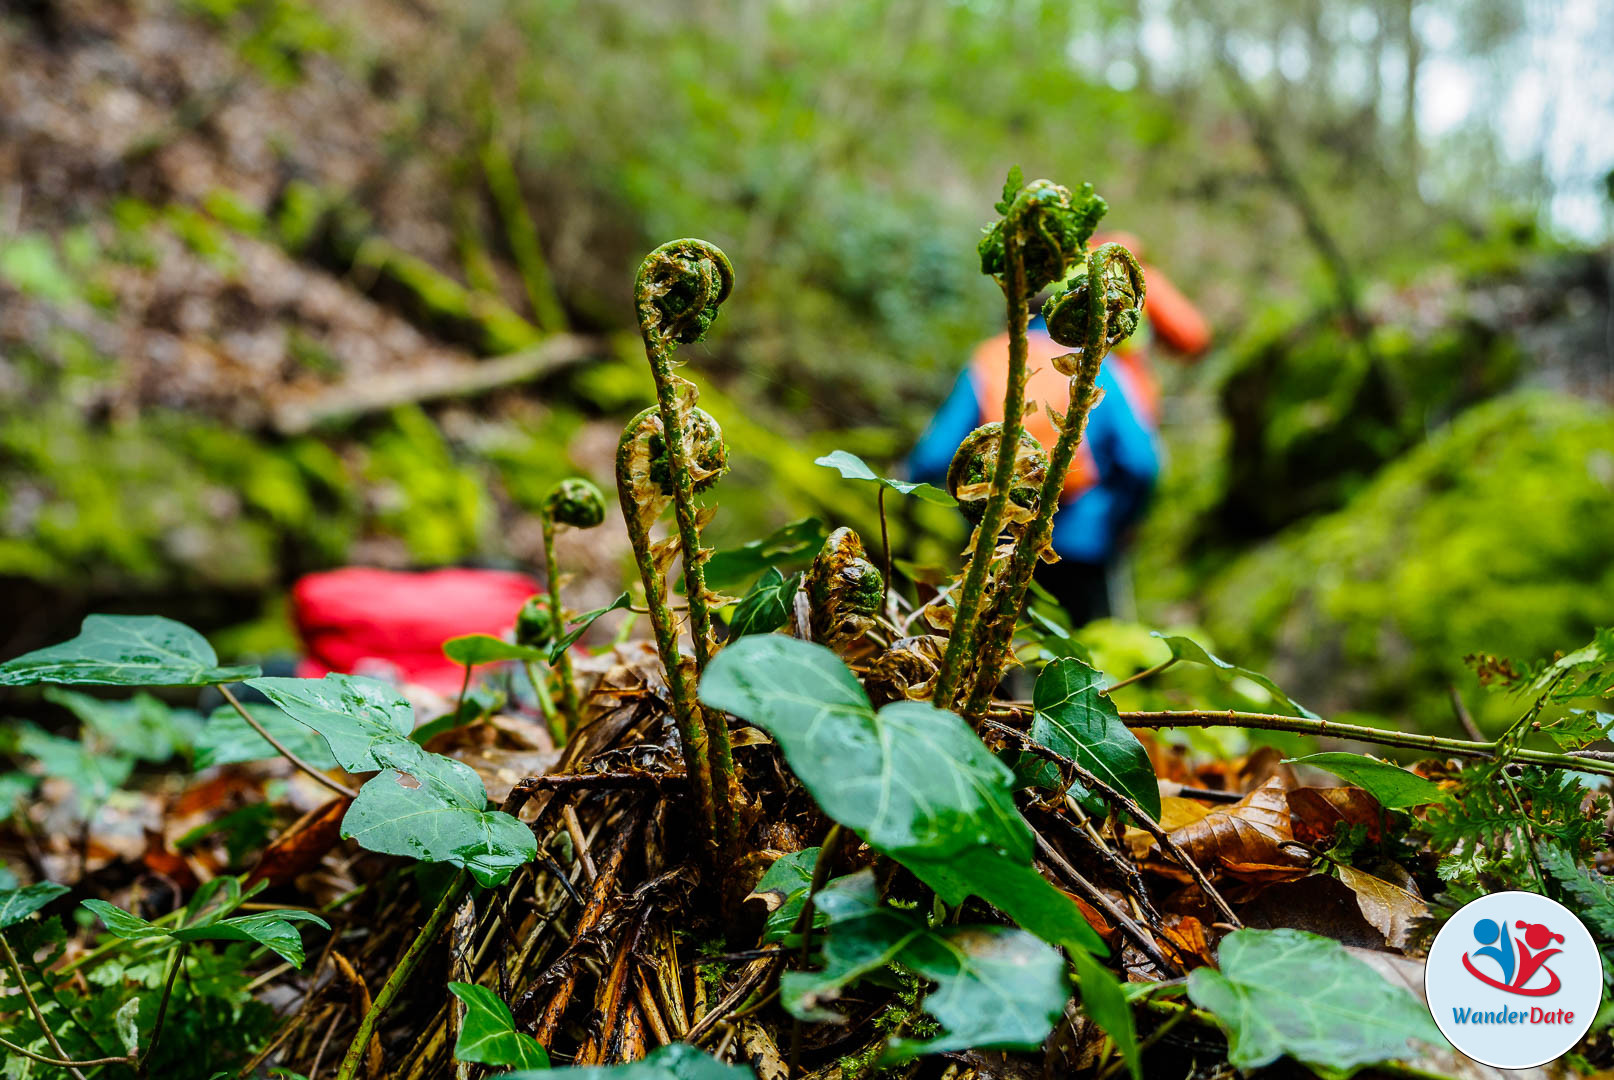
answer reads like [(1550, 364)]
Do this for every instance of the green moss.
[(1496, 536), (436, 503)]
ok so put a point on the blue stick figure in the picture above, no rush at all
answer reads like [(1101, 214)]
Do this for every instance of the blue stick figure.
[(1486, 931)]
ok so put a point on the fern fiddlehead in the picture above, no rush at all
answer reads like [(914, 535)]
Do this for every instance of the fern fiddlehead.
[(677, 294), (843, 590), (1042, 228), (1091, 321), (578, 504)]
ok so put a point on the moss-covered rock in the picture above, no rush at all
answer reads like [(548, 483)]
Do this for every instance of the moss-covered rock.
[(1496, 536)]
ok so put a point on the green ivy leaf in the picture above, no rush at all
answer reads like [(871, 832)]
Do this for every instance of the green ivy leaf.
[(1055, 639), (1013, 886), (125, 650), (913, 780), (580, 626), (786, 884), (355, 715), (434, 808), (767, 606), (1105, 1004), (17, 904), (226, 739), (1187, 650), (909, 777), (996, 987), (272, 929), (474, 649), (679, 1061), (1289, 992), (489, 1036), (14, 786), (798, 541), (1394, 787), (853, 467), (1075, 718), (421, 805), (123, 924), (142, 726), (93, 776)]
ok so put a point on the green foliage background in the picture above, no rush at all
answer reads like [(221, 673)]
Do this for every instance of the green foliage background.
[(1337, 510)]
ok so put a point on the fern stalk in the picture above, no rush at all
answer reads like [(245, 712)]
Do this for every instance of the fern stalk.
[(1092, 318), (1333, 729), (686, 711), (1084, 394), (961, 643)]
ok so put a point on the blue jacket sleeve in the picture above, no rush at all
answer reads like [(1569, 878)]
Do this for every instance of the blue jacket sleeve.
[(959, 415)]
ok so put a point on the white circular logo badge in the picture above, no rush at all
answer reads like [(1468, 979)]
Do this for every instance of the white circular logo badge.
[(1514, 980)]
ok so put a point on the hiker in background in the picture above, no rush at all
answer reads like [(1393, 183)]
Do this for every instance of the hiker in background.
[(1117, 464)]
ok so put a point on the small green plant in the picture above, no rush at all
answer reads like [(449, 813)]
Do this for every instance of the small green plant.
[(577, 504)]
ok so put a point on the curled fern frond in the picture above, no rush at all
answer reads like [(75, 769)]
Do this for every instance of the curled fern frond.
[(680, 286), (708, 453), (843, 589), (1073, 313), (969, 477), (578, 503), (536, 625), (575, 502), (1054, 226)]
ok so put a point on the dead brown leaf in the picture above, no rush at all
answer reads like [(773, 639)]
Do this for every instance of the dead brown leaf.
[(1316, 813), (1254, 832), (301, 847), (1389, 906)]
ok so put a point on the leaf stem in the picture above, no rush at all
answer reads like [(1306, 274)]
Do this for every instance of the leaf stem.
[(804, 924), (1119, 1065), (162, 1008), (1406, 740), (885, 546), (961, 643), (336, 786), (1146, 673), (465, 688), (70, 1065), (399, 978), (1139, 814), (546, 705), (39, 1017), (570, 708)]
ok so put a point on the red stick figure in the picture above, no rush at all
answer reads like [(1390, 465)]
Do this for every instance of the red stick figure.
[(1537, 937)]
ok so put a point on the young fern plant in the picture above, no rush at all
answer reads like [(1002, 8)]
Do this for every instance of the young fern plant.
[(1044, 228), (677, 293), (1095, 309), (578, 504)]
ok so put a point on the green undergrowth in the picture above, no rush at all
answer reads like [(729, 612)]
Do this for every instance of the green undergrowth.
[(1493, 537)]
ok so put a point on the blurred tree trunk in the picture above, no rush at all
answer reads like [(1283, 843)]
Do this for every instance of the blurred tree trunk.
[(1412, 52)]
